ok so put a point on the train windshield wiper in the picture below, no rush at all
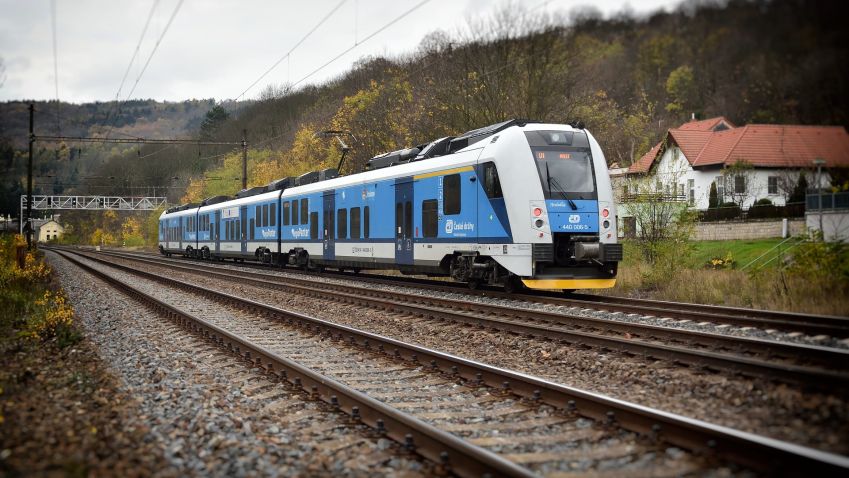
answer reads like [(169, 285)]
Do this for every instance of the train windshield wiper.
[(560, 188)]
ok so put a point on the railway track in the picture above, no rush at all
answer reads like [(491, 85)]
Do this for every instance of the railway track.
[(468, 417), (812, 366), (833, 326)]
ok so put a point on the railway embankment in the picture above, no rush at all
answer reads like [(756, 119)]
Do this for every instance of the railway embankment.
[(62, 410), (208, 414)]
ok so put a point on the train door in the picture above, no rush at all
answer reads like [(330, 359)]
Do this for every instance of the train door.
[(243, 224), (329, 224), (404, 221), (216, 229)]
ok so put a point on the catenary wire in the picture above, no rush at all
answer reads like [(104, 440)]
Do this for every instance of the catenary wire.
[(288, 53), (150, 57), (130, 65), (370, 36)]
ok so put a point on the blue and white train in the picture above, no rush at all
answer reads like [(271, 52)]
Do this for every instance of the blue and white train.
[(514, 204)]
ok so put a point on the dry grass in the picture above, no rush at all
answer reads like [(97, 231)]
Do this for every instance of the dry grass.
[(769, 289)]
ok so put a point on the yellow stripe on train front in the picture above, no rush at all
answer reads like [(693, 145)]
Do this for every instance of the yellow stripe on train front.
[(569, 283)]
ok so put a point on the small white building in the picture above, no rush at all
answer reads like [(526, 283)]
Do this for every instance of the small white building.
[(746, 163), (50, 230)]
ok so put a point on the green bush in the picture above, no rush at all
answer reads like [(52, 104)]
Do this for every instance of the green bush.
[(763, 202)]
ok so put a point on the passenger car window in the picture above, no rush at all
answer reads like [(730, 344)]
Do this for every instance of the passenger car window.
[(341, 223), (355, 223), (430, 218), (451, 194), (295, 213), (286, 213), (305, 210), (366, 222), (313, 225)]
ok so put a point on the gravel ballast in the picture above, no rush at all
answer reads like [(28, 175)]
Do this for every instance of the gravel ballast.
[(758, 406), (210, 413)]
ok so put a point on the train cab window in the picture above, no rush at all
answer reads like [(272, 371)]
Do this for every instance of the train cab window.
[(341, 224), (355, 223), (430, 218), (295, 213), (258, 215), (273, 215), (451, 188), (408, 219), (313, 225), (305, 210), (491, 183), (285, 213), (366, 222), (265, 220)]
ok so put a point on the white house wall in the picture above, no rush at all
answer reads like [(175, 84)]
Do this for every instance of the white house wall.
[(673, 169)]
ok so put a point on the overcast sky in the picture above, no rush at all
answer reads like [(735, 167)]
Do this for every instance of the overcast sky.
[(217, 48)]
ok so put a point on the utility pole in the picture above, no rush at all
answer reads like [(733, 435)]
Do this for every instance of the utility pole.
[(819, 162), (29, 177), (244, 159)]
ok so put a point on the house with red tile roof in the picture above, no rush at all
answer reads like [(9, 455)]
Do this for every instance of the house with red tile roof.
[(747, 163)]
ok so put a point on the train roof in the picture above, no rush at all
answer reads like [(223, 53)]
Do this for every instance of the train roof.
[(472, 139)]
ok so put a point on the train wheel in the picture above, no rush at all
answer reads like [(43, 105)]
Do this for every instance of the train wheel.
[(512, 285), (474, 284)]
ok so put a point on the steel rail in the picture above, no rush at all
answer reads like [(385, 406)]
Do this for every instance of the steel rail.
[(475, 313), (743, 317), (747, 449), (449, 452)]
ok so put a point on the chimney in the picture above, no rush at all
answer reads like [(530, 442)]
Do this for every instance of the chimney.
[(692, 116)]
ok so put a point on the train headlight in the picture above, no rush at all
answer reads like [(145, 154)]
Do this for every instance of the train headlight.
[(539, 223), (537, 212), (605, 212), (606, 224)]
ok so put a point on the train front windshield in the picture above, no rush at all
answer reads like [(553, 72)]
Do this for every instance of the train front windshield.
[(564, 163)]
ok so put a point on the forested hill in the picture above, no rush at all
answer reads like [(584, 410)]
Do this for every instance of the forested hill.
[(140, 118), (628, 79), (64, 167)]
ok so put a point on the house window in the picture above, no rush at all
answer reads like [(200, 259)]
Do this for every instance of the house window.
[(720, 188), (739, 185), (772, 185), (675, 154), (691, 185)]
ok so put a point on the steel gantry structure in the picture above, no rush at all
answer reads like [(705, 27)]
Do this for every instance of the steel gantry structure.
[(28, 201), (91, 203)]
